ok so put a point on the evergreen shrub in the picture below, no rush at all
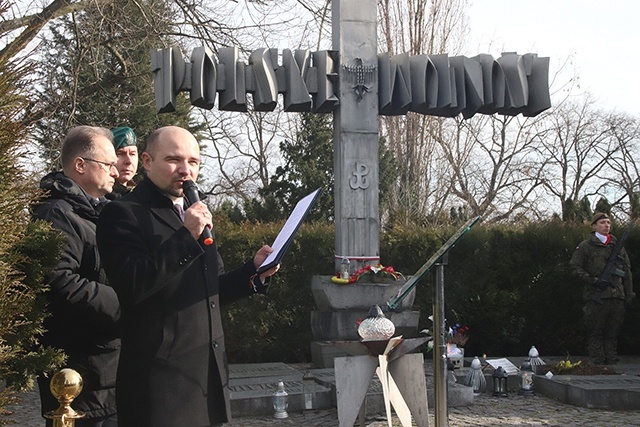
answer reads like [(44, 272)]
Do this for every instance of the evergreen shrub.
[(27, 250), (509, 283), (276, 327)]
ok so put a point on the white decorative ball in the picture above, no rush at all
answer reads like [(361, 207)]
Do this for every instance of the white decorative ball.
[(376, 327)]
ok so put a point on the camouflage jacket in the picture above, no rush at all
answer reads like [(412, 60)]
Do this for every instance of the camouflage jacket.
[(588, 261)]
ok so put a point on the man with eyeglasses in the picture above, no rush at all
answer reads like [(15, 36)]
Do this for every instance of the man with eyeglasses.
[(84, 309)]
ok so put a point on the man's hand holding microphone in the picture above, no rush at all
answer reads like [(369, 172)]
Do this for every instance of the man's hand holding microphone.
[(197, 219)]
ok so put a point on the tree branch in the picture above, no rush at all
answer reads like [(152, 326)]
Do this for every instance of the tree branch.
[(35, 23)]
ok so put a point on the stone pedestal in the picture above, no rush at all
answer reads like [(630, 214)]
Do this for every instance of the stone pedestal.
[(335, 323), (403, 385)]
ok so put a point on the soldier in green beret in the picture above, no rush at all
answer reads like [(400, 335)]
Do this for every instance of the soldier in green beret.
[(124, 141), (604, 307)]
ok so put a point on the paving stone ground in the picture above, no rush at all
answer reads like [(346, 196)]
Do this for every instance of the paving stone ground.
[(487, 411)]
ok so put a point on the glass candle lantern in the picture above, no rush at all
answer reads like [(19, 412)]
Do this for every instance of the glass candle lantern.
[(451, 375), (536, 361), (526, 378), (344, 268), (475, 377), (308, 389), (280, 403), (500, 382)]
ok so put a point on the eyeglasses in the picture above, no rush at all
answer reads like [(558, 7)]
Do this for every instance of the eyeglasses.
[(107, 164)]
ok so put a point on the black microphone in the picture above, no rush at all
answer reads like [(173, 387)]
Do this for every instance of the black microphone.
[(191, 193)]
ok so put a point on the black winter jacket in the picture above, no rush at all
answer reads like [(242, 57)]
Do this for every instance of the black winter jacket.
[(85, 309)]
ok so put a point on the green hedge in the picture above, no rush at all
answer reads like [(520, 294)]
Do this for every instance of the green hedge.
[(275, 327), (509, 284)]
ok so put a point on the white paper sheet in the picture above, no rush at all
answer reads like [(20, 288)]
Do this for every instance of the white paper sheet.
[(289, 229)]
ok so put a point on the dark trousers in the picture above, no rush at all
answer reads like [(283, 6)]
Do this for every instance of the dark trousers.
[(603, 322)]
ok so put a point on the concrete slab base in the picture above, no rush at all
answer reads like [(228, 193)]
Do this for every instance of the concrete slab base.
[(252, 387), (323, 353), (614, 392), (403, 387)]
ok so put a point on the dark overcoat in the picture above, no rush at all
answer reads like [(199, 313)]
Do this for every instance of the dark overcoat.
[(173, 368), (84, 308)]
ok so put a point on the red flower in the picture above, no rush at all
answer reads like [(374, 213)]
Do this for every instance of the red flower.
[(376, 270)]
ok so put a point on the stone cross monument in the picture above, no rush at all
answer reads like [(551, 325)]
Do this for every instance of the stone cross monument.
[(357, 84), (355, 133)]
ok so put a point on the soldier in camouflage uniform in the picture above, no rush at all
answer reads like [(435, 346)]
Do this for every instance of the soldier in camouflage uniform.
[(604, 308)]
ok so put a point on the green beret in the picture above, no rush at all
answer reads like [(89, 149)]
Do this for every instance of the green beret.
[(597, 217), (123, 137)]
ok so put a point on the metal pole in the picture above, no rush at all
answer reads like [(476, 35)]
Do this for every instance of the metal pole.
[(440, 349)]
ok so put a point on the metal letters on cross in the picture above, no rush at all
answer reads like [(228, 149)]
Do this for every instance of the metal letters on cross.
[(437, 85), (355, 83)]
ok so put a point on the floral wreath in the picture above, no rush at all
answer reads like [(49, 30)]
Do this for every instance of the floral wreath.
[(376, 270)]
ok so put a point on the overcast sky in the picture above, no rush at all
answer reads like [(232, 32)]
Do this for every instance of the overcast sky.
[(602, 38)]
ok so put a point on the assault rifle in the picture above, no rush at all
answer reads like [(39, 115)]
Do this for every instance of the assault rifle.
[(611, 269)]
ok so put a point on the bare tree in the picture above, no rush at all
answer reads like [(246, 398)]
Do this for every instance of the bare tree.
[(493, 166), (240, 153), (500, 167), (577, 142), (622, 171), (32, 23), (419, 27), (93, 68)]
